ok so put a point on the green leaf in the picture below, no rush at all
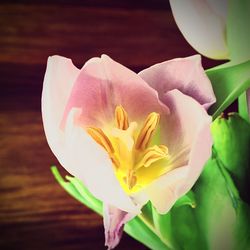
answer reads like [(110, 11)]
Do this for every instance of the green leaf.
[(242, 227), (77, 190), (178, 228), (163, 226), (228, 84), (67, 185), (186, 228), (232, 143), (232, 191), (238, 35), (91, 201), (224, 225), (243, 106), (138, 229), (215, 212), (223, 216)]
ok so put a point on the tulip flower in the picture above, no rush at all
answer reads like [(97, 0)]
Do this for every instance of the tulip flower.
[(203, 24), (129, 137)]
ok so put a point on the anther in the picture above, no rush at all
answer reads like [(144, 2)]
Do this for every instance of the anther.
[(152, 155), (147, 131), (99, 136), (121, 118)]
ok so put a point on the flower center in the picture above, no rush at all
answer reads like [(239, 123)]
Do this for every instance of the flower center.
[(136, 157)]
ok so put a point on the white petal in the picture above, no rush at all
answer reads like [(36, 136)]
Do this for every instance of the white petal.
[(203, 24), (200, 153), (59, 78), (162, 192)]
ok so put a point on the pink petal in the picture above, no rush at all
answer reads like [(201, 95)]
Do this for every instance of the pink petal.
[(203, 24), (184, 74), (114, 220), (58, 81), (187, 130), (102, 85)]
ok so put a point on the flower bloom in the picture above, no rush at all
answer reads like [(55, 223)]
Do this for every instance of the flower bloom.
[(203, 24), (129, 137)]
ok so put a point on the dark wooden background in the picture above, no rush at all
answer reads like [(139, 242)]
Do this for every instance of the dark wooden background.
[(35, 212)]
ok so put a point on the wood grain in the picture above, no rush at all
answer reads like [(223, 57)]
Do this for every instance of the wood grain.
[(35, 212), (134, 37)]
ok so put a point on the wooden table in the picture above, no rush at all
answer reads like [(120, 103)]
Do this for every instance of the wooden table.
[(35, 212)]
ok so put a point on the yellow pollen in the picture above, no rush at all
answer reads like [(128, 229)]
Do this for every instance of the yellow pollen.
[(147, 131), (99, 136), (136, 158), (121, 118)]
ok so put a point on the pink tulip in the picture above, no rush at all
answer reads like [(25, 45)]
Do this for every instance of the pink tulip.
[(129, 137)]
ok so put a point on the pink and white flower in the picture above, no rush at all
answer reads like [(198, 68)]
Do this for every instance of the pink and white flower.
[(129, 137)]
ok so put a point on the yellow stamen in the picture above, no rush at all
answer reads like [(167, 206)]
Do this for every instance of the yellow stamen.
[(147, 131), (152, 155), (163, 148), (121, 118), (137, 161), (99, 136)]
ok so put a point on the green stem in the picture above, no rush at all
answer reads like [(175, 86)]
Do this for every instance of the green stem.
[(152, 228), (243, 107)]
